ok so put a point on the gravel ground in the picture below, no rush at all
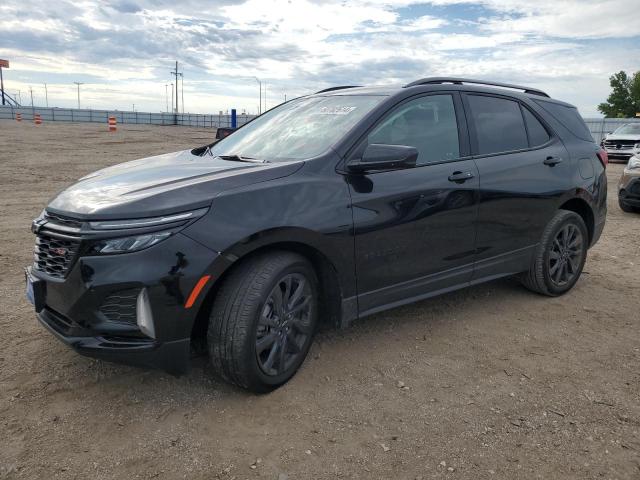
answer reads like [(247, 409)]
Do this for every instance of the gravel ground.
[(488, 382)]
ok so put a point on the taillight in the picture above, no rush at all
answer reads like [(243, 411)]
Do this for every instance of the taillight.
[(603, 157)]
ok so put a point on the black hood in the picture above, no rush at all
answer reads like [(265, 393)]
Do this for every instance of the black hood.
[(162, 184)]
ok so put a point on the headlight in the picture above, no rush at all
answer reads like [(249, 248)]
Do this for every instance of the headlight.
[(634, 162), (148, 222), (637, 146), (129, 244), (132, 235)]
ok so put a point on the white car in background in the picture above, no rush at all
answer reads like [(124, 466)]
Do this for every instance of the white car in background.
[(623, 143)]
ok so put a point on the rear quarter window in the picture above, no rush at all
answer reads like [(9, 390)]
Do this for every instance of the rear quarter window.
[(569, 117)]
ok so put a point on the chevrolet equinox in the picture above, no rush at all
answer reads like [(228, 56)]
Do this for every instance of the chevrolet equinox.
[(325, 209)]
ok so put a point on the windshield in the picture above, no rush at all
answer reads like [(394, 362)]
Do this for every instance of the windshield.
[(301, 128), (629, 129)]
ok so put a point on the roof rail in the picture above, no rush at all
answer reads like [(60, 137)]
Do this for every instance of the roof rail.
[(460, 81), (331, 89)]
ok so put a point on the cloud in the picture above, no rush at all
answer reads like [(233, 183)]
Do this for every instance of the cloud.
[(124, 49)]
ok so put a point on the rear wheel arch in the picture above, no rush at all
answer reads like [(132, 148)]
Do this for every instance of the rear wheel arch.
[(582, 208), (331, 291)]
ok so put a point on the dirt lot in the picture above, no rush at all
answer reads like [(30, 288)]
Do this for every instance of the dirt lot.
[(499, 382)]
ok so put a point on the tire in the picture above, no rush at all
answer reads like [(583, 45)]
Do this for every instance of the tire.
[(249, 323), (546, 274), (625, 207)]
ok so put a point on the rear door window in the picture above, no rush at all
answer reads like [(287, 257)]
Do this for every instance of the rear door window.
[(538, 135), (498, 124)]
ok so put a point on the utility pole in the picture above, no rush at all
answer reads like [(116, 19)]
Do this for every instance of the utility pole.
[(78, 84), (260, 87), (46, 95), (2, 83), (31, 92), (20, 98), (176, 74), (172, 97), (182, 90), (166, 97)]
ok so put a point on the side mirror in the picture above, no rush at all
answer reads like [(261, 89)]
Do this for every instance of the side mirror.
[(385, 157)]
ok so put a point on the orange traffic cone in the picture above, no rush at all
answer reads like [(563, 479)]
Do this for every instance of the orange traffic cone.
[(36, 119), (112, 124), (18, 117)]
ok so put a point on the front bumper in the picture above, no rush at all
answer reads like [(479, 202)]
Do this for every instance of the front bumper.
[(622, 153), (171, 356), (629, 188), (94, 310)]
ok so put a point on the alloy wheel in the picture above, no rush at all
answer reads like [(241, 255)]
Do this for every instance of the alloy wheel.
[(565, 256), (285, 324)]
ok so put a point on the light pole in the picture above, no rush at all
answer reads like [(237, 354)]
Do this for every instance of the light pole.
[(182, 91), (260, 87), (46, 95), (31, 92), (172, 97), (78, 84), (166, 97)]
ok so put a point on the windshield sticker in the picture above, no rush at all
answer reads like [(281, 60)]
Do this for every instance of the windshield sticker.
[(336, 110)]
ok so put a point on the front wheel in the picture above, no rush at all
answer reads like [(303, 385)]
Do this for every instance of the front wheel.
[(263, 321), (560, 256)]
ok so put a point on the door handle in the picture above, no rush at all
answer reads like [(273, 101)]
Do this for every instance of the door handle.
[(460, 177), (552, 161)]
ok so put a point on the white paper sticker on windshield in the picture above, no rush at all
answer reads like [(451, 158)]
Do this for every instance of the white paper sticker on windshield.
[(336, 110)]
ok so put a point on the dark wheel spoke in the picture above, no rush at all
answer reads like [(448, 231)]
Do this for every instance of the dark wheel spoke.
[(573, 262), (283, 354), (268, 364), (267, 319), (276, 297), (285, 325), (286, 294), (301, 306), (265, 342), (297, 293), (293, 345), (301, 327), (554, 268)]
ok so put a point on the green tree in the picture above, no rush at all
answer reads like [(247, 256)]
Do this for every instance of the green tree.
[(624, 99)]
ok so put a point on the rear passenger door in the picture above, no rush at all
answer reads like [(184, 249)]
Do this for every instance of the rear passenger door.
[(523, 168)]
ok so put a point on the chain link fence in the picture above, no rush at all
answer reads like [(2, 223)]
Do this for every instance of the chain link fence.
[(50, 114), (598, 127)]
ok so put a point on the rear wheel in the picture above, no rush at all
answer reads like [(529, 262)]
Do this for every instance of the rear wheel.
[(263, 321), (560, 256)]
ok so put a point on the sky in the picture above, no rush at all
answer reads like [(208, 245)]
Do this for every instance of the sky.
[(123, 50)]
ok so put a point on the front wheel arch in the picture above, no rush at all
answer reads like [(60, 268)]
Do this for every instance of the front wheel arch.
[(331, 289)]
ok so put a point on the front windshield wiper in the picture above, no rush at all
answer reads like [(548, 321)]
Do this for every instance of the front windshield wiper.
[(242, 158)]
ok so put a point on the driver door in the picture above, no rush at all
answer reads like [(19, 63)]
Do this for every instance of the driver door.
[(415, 228)]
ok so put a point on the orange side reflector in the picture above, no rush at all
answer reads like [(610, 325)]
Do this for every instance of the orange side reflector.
[(196, 291)]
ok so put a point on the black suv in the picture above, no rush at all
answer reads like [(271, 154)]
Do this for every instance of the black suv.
[(325, 209)]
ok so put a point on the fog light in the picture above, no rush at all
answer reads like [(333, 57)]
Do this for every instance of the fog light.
[(144, 319)]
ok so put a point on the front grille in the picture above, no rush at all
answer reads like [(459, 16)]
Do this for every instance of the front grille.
[(54, 256), (60, 220), (615, 144), (120, 307)]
